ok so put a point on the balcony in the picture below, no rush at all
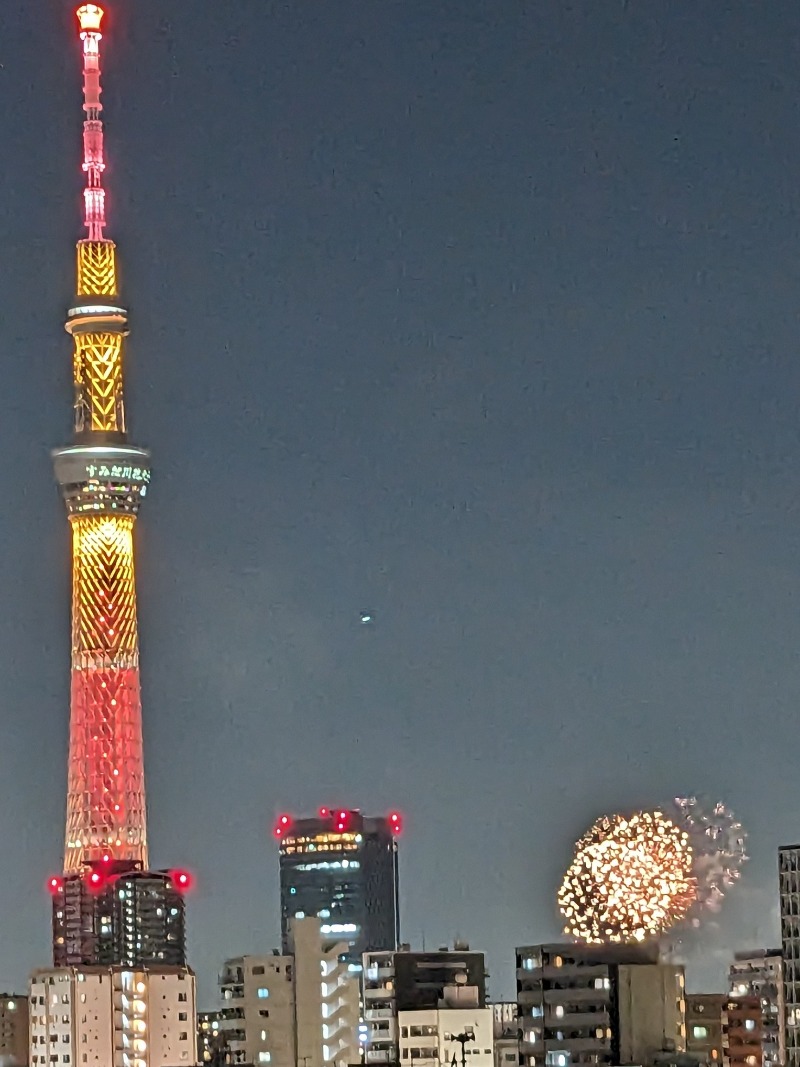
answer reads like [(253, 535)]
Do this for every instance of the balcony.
[(578, 995), (577, 1020), (577, 1044)]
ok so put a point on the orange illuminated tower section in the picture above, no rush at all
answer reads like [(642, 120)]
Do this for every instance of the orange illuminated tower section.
[(103, 479)]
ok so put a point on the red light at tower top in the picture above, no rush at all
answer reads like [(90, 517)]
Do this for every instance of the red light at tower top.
[(396, 822), (55, 885), (89, 17)]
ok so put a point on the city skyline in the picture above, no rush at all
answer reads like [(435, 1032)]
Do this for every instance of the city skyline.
[(462, 321)]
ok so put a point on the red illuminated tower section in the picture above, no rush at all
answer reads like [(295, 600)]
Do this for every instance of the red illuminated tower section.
[(103, 480)]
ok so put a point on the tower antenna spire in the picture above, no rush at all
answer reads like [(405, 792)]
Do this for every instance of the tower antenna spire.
[(90, 18)]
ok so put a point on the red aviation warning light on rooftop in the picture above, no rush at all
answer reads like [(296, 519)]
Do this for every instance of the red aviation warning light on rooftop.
[(334, 820)]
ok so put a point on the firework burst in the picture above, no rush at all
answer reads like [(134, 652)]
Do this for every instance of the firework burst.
[(631, 879)]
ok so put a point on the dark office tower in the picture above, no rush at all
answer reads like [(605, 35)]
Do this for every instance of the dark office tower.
[(341, 867), (120, 915)]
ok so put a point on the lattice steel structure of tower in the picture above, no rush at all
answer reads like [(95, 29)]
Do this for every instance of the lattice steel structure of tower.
[(103, 480)]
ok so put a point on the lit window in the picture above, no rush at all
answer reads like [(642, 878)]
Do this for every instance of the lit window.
[(750, 1024), (263, 993), (699, 1031), (558, 1011), (264, 1057)]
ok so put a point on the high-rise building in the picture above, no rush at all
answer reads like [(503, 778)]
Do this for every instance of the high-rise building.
[(597, 1004), (301, 1007), (113, 1017), (341, 867), (133, 918), (107, 907), (409, 995), (789, 886), (760, 974)]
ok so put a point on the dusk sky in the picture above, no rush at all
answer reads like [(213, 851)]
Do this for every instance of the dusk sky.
[(481, 315)]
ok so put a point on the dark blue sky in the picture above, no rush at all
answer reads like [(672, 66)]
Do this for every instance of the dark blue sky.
[(482, 315)]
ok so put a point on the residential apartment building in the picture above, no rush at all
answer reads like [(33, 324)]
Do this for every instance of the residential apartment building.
[(506, 1033), (417, 1002), (760, 974), (433, 1037), (301, 1007), (597, 1004), (705, 1021), (741, 1032), (13, 1030), (112, 1017), (211, 1046)]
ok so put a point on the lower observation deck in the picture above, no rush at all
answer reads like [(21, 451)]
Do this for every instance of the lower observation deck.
[(102, 479)]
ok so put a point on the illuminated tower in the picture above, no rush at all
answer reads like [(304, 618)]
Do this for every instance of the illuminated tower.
[(103, 480), (108, 908)]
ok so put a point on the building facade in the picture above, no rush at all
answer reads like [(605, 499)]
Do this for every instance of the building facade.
[(597, 1004), (14, 1037), (211, 1045), (506, 1033), (760, 974), (117, 915), (112, 1017), (301, 1007), (789, 886), (742, 1033), (341, 867), (437, 1037), (396, 986), (705, 1025)]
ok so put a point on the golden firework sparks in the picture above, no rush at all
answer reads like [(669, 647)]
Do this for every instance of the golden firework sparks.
[(631, 879)]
